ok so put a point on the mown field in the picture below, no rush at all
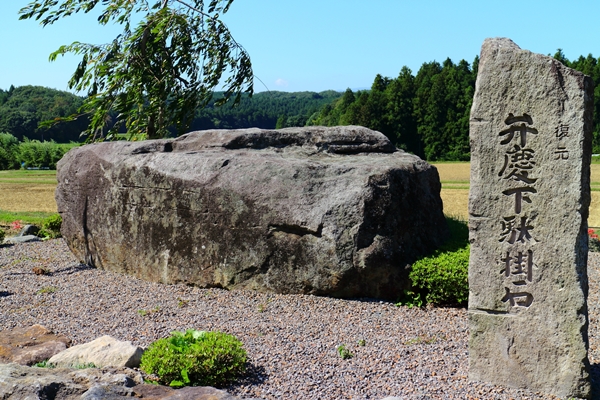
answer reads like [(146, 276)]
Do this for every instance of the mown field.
[(455, 190), (33, 191)]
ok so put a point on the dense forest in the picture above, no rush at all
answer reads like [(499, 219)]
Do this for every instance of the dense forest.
[(426, 114), (267, 110), (22, 109)]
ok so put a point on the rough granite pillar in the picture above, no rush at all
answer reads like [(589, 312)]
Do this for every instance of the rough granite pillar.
[(531, 126)]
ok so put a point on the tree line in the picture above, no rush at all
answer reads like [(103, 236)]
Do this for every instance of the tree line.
[(266, 110), (15, 154), (426, 114), (23, 108)]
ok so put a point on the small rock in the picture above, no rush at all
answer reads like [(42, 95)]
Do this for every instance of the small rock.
[(22, 239), (33, 354), (102, 352), (122, 376), (27, 346), (29, 230), (106, 392), (40, 271), (153, 392)]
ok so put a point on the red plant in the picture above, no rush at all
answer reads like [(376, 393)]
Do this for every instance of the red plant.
[(16, 225)]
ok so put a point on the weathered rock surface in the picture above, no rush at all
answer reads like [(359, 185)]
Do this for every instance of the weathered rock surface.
[(328, 211), (29, 230), (27, 346), (531, 126), (22, 382), (153, 392), (105, 351)]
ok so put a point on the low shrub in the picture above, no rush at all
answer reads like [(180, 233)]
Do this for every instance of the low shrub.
[(195, 358), (2, 234), (51, 227), (442, 278)]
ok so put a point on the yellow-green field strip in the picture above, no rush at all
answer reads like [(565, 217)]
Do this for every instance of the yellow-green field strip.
[(28, 181), (462, 185), (28, 177)]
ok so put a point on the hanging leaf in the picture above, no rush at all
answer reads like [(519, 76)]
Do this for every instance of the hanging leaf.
[(150, 80)]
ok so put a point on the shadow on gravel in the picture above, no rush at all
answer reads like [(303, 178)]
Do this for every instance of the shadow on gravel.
[(255, 375), (73, 269), (595, 378), (5, 294)]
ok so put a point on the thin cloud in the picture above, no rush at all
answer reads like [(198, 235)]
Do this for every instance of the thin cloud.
[(281, 82)]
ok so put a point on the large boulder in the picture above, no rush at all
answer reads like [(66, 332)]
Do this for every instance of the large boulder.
[(327, 211)]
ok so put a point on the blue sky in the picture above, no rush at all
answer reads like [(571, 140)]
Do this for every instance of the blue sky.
[(318, 45)]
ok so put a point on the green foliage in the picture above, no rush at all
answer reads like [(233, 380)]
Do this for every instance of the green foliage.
[(411, 299), (9, 152), (25, 107), (84, 366), (195, 358), (344, 353), (443, 276), (44, 364), (267, 110), (33, 218), (426, 114), (422, 339), (30, 153), (154, 75), (51, 227), (36, 154), (47, 290), (2, 235)]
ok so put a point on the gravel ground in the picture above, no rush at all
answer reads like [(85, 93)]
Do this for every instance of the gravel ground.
[(291, 340)]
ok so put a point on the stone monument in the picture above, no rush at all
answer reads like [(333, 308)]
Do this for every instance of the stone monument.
[(531, 127)]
